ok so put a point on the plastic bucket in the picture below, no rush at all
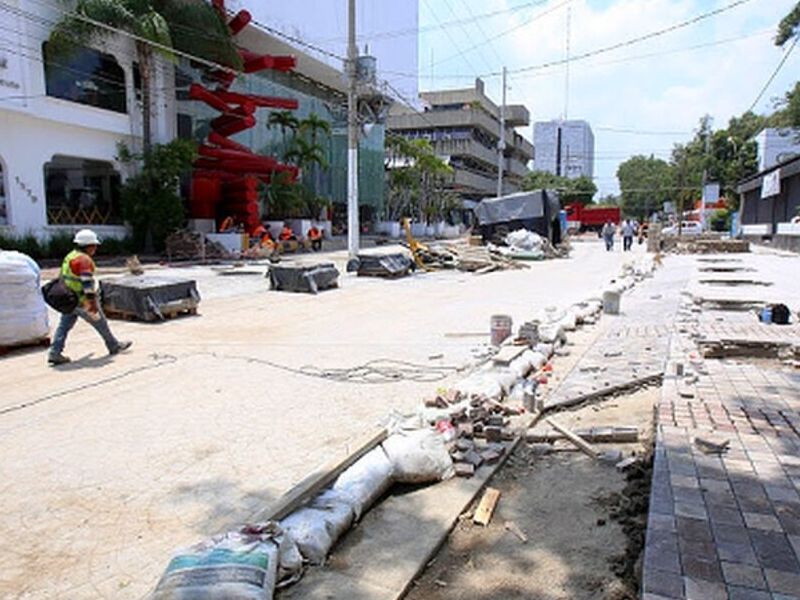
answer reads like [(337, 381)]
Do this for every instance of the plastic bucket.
[(500, 328), (611, 301)]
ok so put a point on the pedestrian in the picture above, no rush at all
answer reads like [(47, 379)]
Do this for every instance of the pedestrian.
[(77, 271), (627, 235), (608, 235)]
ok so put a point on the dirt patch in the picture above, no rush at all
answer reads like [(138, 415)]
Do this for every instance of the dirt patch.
[(582, 520)]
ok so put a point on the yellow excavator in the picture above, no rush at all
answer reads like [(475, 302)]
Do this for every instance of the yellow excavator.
[(417, 249)]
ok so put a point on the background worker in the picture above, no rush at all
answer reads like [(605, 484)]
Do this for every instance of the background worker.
[(77, 271), (315, 237), (286, 233), (627, 235), (608, 235)]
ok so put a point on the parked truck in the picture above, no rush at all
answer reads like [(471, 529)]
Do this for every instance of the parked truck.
[(589, 217)]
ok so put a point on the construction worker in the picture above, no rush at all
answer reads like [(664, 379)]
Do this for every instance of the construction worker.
[(77, 271), (315, 237), (286, 233)]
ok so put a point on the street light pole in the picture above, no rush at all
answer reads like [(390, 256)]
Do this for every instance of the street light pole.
[(352, 132)]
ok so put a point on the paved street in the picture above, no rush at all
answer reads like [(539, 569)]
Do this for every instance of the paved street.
[(110, 464)]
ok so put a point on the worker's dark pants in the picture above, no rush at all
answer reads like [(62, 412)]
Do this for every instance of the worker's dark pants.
[(316, 245), (68, 321), (627, 242)]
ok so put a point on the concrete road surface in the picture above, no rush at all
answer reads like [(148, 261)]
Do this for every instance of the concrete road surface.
[(108, 464)]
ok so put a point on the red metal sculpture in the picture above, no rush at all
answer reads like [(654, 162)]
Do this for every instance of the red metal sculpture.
[(226, 175)]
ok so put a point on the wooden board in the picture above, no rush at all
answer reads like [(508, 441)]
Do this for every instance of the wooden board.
[(582, 445), (508, 354), (43, 342), (483, 514), (315, 482)]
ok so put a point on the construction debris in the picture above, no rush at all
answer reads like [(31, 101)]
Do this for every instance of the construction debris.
[(514, 528), (709, 445), (595, 435), (483, 514), (577, 441), (193, 245)]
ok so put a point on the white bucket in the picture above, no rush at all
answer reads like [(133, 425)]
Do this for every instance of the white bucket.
[(611, 302)]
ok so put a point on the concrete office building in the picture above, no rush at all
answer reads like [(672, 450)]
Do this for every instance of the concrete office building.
[(777, 145), (564, 148), (464, 127)]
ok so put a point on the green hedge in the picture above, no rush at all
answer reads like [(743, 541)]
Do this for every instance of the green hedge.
[(59, 245)]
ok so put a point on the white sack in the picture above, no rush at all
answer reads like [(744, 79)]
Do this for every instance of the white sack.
[(365, 481), (418, 456)]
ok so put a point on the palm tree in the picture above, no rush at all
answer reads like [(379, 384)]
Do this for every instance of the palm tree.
[(161, 26), (286, 121), (314, 125)]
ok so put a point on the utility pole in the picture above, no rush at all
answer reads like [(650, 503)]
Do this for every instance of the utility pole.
[(501, 145), (352, 132)]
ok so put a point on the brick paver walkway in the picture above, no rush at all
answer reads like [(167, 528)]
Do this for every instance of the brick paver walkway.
[(725, 526)]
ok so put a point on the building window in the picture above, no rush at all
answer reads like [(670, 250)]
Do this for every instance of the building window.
[(3, 197), (81, 191), (87, 77)]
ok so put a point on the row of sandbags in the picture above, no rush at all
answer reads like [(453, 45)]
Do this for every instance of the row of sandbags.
[(546, 332), (23, 313), (251, 562)]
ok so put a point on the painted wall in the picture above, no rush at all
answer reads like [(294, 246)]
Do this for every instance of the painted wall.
[(35, 126), (324, 23)]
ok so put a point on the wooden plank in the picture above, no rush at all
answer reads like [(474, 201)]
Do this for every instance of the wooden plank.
[(316, 481), (508, 354), (514, 528), (483, 514), (576, 440), (616, 435)]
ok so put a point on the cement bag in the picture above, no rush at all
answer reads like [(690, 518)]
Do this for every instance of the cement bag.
[(418, 456), (523, 364), (545, 349), (480, 384), (506, 378), (365, 481), (570, 320), (23, 313), (239, 564), (290, 562), (315, 529), (549, 314), (552, 332)]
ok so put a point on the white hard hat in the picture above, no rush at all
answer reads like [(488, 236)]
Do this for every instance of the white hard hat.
[(86, 237)]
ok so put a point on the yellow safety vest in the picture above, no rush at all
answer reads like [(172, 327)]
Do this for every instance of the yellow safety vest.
[(73, 282)]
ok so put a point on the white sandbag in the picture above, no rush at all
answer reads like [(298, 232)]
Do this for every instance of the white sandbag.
[(418, 456), (290, 562), (570, 321), (549, 314), (23, 313), (552, 332), (315, 528), (480, 384), (365, 481), (506, 378), (524, 240), (239, 564), (546, 349)]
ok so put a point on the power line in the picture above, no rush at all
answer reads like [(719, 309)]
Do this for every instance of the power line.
[(628, 42), (450, 37), (480, 28), (774, 74)]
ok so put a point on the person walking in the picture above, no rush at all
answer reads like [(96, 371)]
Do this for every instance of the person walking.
[(627, 235), (608, 235), (77, 271)]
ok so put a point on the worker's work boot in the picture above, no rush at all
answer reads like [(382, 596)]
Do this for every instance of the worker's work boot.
[(57, 359), (120, 347)]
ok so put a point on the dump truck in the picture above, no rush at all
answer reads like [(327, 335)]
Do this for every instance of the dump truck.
[(590, 218)]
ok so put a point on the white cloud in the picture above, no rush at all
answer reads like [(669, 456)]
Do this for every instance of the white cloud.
[(666, 92)]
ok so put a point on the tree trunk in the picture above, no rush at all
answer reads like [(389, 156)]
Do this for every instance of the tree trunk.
[(145, 74)]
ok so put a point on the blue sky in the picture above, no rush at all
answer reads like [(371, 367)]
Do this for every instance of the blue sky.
[(655, 90)]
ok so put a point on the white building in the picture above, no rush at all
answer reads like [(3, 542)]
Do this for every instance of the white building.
[(564, 148), (777, 146), (389, 30), (61, 120)]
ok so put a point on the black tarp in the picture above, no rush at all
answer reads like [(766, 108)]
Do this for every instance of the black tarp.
[(535, 211), (384, 265), (308, 279), (147, 297)]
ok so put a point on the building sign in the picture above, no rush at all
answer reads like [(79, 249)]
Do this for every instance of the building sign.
[(771, 184), (7, 73)]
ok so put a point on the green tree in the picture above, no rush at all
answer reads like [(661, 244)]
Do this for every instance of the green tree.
[(192, 27), (788, 27), (150, 200), (788, 109), (286, 122), (581, 189), (646, 184)]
